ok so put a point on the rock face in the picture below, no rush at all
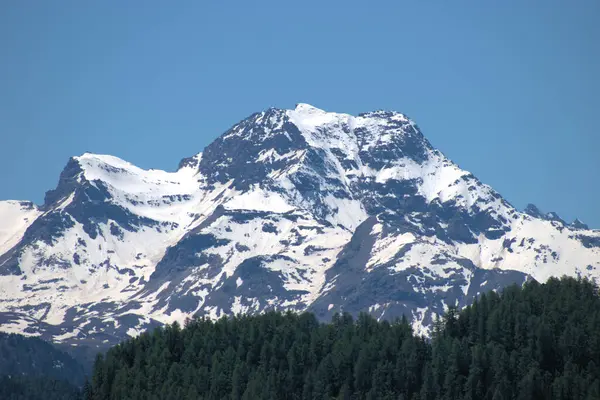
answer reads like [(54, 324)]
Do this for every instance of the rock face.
[(290, 209)]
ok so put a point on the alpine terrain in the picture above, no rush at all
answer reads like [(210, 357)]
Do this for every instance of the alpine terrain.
[(288, 210)]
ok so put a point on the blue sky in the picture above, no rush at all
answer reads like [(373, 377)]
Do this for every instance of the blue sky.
[(508, 89)]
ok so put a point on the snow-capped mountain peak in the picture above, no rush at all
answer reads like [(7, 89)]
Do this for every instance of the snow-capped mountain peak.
[(124, 176), (299, 209)]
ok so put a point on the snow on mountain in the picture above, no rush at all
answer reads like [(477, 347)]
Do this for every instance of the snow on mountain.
[(15, 218), (290, 209)]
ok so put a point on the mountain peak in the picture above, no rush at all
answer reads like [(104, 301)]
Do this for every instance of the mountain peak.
[(274, 141), (388, 114), (299, 209), (305, 107), (578, 224), (91, 161), (533, 211)]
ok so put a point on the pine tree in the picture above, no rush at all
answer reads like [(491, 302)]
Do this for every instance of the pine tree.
[(531, 342)]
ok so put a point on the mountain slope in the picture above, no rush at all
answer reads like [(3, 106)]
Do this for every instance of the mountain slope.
[(289, 209)]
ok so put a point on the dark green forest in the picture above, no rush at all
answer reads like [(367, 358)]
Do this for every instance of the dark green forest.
[(30, 356), (37, 388), (539, 341), (31, 368)]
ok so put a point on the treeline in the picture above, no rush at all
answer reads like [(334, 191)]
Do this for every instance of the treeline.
[(532, 342)]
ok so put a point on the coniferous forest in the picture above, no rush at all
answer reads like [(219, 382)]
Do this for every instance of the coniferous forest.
[(33, 369), (37, 388), (539, 341)]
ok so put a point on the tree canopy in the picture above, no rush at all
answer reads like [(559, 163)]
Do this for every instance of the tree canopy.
[(539, 341), (32, 369)]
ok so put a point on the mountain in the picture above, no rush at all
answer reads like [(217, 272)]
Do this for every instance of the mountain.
[(288, 210)]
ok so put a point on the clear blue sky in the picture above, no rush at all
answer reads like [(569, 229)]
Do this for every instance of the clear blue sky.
[(508, 89)]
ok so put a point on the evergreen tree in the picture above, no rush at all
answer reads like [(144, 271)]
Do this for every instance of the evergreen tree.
[(538, 341)]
